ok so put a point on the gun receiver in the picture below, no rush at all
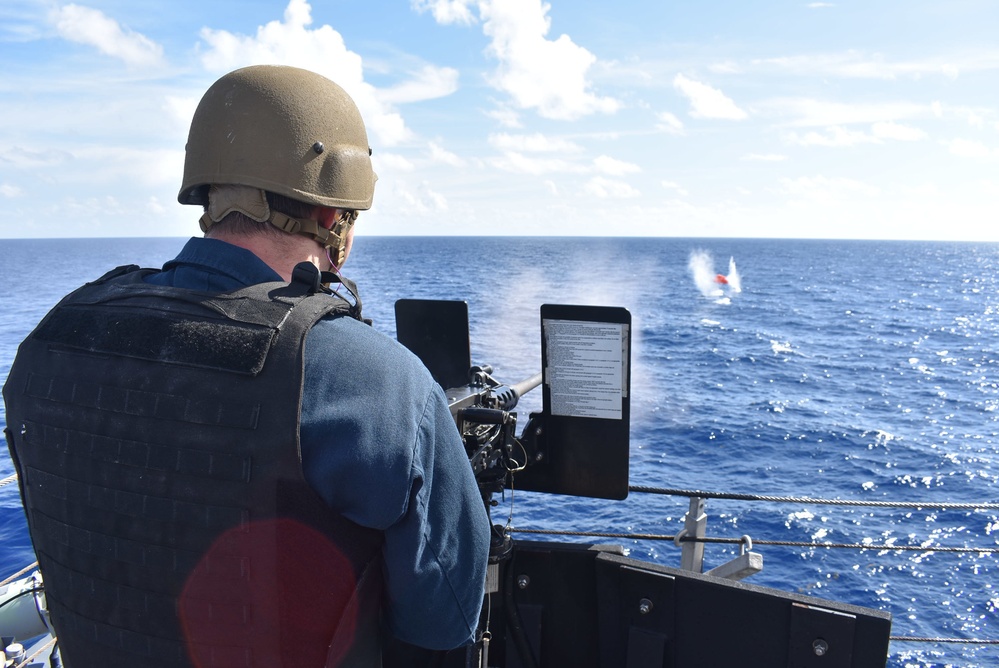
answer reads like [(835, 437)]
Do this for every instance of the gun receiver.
[(579, 443)]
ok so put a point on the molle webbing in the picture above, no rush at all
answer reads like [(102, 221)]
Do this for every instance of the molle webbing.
[(156, 435)]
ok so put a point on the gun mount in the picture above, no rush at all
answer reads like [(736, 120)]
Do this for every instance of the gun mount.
[(578, 444), (555, 604)]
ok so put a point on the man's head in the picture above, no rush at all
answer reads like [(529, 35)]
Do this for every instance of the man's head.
[(267, 139)]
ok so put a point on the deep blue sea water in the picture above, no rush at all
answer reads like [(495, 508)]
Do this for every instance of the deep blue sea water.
[(843, 369)]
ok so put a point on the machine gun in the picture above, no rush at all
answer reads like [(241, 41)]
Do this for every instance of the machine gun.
[(484, 413), (578, 444), (589, 606)]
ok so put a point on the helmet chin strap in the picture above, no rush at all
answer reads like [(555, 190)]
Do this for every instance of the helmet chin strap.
[(333, 240), (252, 202), (338, 238)]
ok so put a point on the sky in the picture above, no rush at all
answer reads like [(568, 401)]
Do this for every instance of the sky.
[(863, 119)]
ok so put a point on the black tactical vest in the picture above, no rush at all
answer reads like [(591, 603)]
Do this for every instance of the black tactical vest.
[(155, 435)]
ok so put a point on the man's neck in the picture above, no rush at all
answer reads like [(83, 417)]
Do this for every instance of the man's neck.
[(280, 253)]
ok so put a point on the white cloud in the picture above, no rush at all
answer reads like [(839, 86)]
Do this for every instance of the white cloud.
[(975, 120), (8, 190), (726, 67), (153, 205), (87, 206), (824, 189), (528, 154), (440, 155), (322, 50), (764, 157), (421, 200), (857, 65), (832, 137), (534, 143), (603, 188), (514, 161), (897, 131), (838, 136), (94, 28), (23, 158), (538, 73), (966, 148), (446, 11), (19, 24), (392, 161), (548, 76), (437, 200), (429, 83), (120, 164), (287, 42), (508, 118), (808, 112), (669, 123), (707, 102), (182, 109), (613, 167), (672, 185)]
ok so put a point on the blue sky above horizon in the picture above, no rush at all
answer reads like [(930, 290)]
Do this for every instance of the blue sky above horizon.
[(840, 119)]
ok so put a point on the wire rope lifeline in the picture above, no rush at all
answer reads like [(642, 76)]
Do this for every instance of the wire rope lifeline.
[(738, 541), (808, 499), (966, 641)]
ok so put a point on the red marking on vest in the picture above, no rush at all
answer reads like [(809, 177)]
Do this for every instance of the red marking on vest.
[(273, 593)]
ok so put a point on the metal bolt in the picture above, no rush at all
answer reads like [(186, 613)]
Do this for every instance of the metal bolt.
[(645, 606), (14, 651), (523, 581), (820, 647)]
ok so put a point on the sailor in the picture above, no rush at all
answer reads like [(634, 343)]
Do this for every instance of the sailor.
[(221, 462)]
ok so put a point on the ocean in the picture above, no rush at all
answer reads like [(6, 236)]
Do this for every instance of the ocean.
[(847, 370)]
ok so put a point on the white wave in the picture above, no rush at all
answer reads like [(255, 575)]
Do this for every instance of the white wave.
[(779, 347)]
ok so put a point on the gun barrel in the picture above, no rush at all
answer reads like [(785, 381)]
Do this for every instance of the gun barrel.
[(525, 386)]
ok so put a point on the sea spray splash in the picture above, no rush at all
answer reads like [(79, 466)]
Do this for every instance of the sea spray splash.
[(710, 284), (734, 279)]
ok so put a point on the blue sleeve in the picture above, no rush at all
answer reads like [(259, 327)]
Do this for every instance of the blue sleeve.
[(440, 545), (380, 446)]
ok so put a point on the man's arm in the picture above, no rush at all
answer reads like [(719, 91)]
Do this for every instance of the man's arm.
[(380, 446), (436, 555)]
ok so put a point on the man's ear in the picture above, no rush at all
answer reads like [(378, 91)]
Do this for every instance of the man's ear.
[(326, 216)]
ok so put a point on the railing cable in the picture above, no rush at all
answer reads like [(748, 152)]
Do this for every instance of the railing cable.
[(737, 541), (967, 641), (808, 499)]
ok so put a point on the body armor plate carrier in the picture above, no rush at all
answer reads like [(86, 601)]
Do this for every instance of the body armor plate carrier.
[(155, 434)]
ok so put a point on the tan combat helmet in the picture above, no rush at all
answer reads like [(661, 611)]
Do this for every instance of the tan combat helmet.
[(284, 130)]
